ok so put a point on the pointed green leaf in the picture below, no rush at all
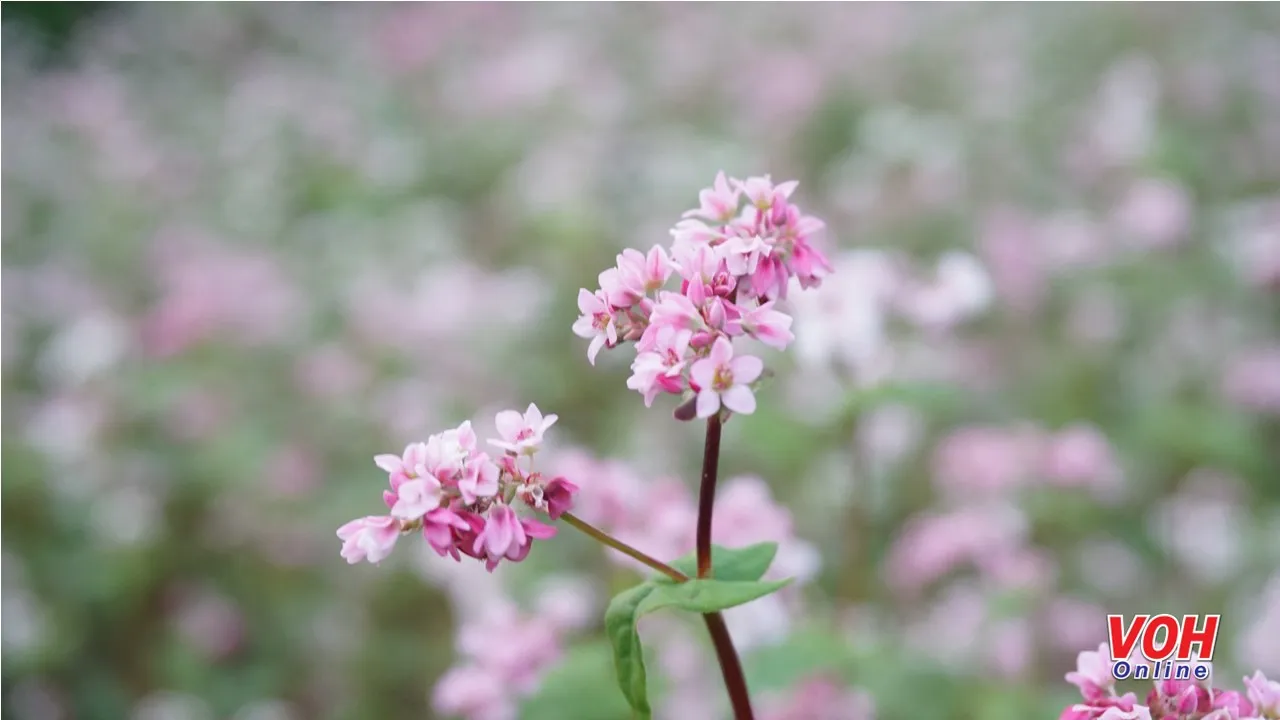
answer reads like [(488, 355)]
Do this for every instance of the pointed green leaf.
[(628, 655), (745, 564), (706, 596), (699, 596)]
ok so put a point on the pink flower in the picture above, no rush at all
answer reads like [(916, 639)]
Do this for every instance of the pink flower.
[(1234, 703), (763, 323), (596, 322), (719, 202), (762, 193), (722, 378), (438, 529), (416, 498), (522, 435), (660, 369), (403, 467), (697, 263), (558, 497), (479, 479), (1093, 674), (447, 452), (507, 536), (635, 276), (1264, 694), (672, 310), (742, 254), (369, 538)]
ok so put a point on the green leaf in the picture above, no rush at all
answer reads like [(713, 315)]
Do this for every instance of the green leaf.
[(706, 596), (628, 656), (699, 596), (748, 563)]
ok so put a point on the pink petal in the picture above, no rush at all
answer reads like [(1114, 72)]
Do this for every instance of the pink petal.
[(387, 462), (549, 420), (739, 399), (584, 327), (509, 424), (703, 372), (593, 349), (587, 302), (538, 530), (532, 416), (721, 351), (746, 368), (708, 403)]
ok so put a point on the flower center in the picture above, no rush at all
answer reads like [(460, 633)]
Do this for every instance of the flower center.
[(723, 379), (600, 321)]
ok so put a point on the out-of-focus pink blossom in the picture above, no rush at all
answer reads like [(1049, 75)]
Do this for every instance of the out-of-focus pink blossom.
[(1080, 456), (1017, 267), (1154, 214), (722, 378), (985, 460), (820, 698), (474, 693), (1252, 380)]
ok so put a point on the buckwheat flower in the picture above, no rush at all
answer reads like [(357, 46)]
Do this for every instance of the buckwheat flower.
[(369, 538), (742, 253), (661, 369), (618, 289), (558, 497), (479, 479), (672, 310), (1093, 674), (522, 435), (696, 263), (1264, 694), (635, 276), (416, 498), (596, 322), (718, 203), (769, 326), (505, 535), (440, 528), (402, 468), (447, 452), (723, 379), (1231, 704), (694, 233), (762, 193)]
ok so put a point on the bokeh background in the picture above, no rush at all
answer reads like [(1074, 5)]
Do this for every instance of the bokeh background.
[(246, 247)]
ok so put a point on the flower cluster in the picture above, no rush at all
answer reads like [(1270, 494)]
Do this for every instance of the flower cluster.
[(463, 499), (1169, 699), (736, 255)]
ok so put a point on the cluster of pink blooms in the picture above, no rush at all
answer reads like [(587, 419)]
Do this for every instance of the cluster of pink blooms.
[(463, 499), (1169, 699), (735, 255)]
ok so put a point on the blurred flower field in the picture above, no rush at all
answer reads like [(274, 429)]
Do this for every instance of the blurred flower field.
[(246, 247)]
